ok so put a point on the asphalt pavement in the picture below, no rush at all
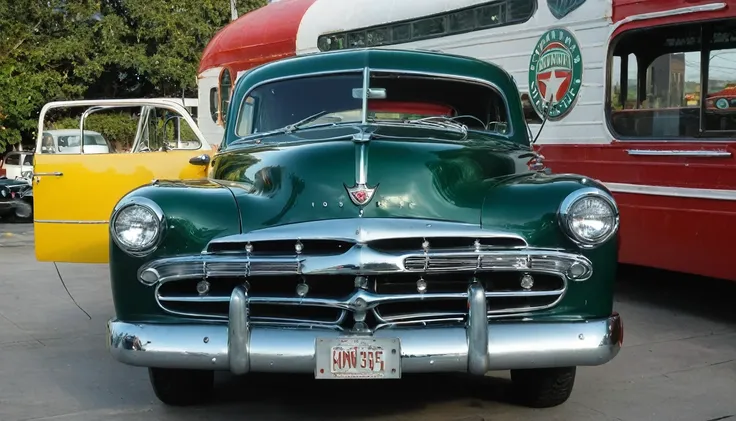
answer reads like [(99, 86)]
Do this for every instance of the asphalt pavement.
[(678, 361)]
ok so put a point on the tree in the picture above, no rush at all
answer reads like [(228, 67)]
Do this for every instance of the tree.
[(46, 54), (74, 49)]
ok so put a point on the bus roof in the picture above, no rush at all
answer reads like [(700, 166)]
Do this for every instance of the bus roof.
[(286, 28), (263, 35)]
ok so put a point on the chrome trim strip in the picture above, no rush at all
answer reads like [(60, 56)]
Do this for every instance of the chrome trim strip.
[(510, 345), (689, 192), (364, 100), (48, 174), (62, 221), (683, 153), (363, 230)]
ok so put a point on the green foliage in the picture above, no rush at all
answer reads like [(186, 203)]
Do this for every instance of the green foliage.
[(74, 49)]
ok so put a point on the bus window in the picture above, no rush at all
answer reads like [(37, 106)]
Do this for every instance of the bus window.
[(655, 87)]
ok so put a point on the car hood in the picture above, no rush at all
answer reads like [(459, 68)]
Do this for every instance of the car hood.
[(289, 179), (13, 182)]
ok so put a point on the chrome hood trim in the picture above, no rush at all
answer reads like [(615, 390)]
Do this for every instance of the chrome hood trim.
[(363, 230)]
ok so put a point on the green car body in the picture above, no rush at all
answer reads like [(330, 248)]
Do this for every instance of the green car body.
[(312, 219)]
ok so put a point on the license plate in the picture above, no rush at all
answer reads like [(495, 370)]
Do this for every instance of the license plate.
[(358, 358)]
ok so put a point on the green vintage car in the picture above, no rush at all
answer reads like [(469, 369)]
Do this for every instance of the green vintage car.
[(370, 214)]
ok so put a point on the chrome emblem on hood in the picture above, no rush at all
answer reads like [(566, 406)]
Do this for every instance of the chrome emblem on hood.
[(360, 194)]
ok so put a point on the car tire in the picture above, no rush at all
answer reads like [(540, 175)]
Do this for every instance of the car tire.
[(178, 387), (24, 214), (543, 387)]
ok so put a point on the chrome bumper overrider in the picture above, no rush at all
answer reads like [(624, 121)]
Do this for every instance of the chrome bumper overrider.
[(478, 347)]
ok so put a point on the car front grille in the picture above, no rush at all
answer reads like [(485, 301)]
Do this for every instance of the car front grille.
[(364, 272)]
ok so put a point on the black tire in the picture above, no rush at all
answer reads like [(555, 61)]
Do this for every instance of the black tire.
[(177, 387), (543, 387), (25, 215)]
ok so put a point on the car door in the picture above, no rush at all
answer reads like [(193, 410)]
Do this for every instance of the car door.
[(74, 193)]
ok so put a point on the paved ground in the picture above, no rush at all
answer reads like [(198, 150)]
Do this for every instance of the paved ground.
[(678, 361)]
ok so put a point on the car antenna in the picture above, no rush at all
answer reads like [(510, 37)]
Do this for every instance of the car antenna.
[(69, 293), (545, 117)]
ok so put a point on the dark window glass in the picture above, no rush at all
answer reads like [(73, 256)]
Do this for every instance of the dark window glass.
[(225, 86), (487, 15), (12, 159), (518, 10), (378, 36), (28, 160), (428, 27), (278, 104), (213, 104), (401, 33), (462, 21), (356, 40)]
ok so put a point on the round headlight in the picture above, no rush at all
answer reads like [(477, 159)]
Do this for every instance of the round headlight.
[(589, 216), (137, 226)]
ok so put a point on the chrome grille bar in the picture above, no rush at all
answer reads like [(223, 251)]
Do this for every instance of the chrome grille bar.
[(360, 260), (371, 298)]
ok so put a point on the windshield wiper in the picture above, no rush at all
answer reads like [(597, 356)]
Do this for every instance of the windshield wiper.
[(436, 123), (296, 126), (286, 129)]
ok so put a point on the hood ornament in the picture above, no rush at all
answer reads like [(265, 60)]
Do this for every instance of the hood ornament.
[(360, 194)]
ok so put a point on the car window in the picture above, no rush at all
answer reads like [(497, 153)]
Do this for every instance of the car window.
[(12, 159), (28, 159)]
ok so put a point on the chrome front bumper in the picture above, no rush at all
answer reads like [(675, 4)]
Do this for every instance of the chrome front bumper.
[(476, 348)]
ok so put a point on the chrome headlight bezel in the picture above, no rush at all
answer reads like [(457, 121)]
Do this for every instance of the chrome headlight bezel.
[(150, 206), (565, 219)]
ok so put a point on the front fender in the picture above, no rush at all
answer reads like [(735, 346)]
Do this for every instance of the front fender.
[(528, 205), (195, 213)]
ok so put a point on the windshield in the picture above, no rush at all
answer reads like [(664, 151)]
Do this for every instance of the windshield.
[(404, 99)]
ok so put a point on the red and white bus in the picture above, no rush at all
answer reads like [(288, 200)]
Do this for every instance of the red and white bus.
[(643, 94)]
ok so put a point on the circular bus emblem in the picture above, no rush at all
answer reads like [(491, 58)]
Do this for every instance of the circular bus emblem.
[(555, 74)]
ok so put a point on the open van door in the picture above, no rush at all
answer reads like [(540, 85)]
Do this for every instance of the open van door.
[(75, 192)]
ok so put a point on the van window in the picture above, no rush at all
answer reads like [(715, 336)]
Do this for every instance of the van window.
[(12, 159)]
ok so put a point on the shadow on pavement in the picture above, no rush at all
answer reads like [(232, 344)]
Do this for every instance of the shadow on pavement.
[(700, 296), (303, 396)]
